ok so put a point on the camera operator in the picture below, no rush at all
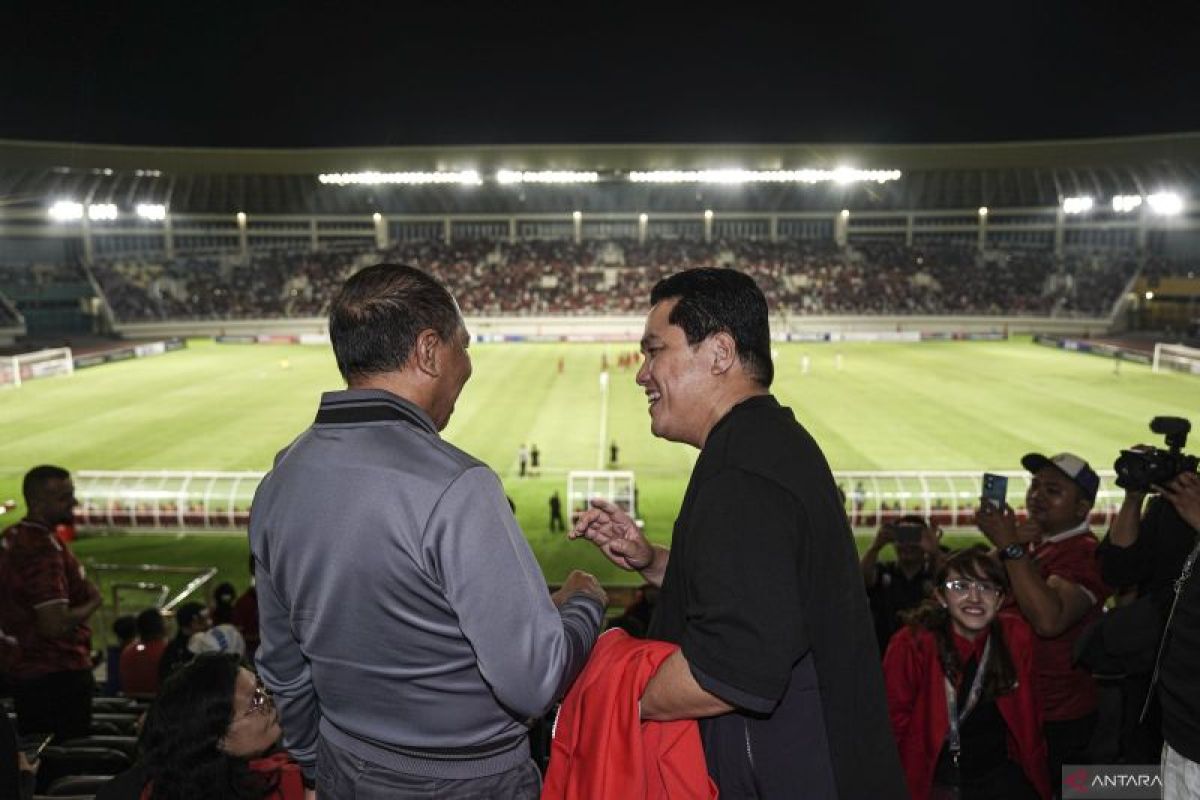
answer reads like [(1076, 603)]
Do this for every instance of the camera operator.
[(1143, 554), (1179, 659), (903, 584)]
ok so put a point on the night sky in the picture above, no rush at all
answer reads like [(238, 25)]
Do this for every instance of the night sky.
[(261, 74)]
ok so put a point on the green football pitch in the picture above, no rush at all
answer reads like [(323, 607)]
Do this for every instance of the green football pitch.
[(933, 405)]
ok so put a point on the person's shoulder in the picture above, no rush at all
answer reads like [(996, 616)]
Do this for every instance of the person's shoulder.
[(1017, 632), (27, 541)]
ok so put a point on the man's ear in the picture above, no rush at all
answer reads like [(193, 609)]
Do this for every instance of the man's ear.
[(723, 351), (425, 352)]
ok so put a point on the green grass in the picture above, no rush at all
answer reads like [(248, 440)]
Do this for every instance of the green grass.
[(952, 405)]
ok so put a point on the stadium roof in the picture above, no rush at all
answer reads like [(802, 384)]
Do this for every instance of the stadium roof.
[(934, 176)]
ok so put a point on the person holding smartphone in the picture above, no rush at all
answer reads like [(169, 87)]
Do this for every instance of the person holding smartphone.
[(894, 587), (1050, 559)]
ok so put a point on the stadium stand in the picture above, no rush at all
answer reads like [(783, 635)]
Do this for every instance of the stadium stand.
[(615, 275)]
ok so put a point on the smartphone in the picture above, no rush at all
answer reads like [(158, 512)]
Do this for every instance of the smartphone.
[(908, 533), (995, 490)]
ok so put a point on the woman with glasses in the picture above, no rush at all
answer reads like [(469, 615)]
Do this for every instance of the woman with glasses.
[(960, 690), (205, 736)]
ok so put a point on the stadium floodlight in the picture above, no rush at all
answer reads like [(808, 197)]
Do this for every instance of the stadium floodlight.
[(841, 175), (102, 211), (983, 211), (509, 176), (463, 177), (1149, 295), (1124, 203), (377, 217), (577, 215), (708, 214), (152, 211), (65, 211), (845, 213), (241, 217), (643, 218), (1077, 205), (1165, 203)]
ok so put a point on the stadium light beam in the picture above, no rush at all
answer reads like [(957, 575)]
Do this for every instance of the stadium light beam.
[(841, 175), (155, 212), (65, 211), (462, 177), (983, 211), (1125, 203), (509, 177), (1077, 205), (1165, 203)]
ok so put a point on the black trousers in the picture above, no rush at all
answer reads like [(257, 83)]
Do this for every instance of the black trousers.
[(59, 703), (1067, 742)]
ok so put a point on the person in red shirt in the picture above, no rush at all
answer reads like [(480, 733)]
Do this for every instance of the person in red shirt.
[(45, 602), (1051, 563), (245, 614), (957, 641), (140, 658)]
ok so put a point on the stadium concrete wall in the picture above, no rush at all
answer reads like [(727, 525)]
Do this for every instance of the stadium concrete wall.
[(629, 328)]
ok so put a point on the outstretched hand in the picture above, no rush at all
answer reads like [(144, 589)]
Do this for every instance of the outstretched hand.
[(608, 527)]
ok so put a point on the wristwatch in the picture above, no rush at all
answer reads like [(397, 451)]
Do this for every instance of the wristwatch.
[(1013, 551)]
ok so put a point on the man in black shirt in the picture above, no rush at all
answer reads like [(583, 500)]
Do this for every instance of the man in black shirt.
[(190, 618), (897, 586), (761, 587)]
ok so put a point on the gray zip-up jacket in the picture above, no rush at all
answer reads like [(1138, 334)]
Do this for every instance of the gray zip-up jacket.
[(403, 616)]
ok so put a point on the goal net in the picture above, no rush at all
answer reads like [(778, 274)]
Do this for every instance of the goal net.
[(1176, 357), (15, 370), (616, 486)]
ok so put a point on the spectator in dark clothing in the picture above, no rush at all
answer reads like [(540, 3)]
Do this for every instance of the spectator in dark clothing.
[(140, 659), (245, 615), (1142, 555), (894, 587), (221, 612), (125, 629), (636, 619), (190, 619), (17, 773), (556, 517)]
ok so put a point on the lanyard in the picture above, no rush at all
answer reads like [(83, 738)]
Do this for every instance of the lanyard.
[(1184, 574), (954, 741)]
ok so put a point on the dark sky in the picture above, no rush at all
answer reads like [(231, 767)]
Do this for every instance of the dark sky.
[(401, 72)]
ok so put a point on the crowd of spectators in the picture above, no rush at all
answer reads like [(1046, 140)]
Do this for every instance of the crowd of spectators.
[(615, 276)]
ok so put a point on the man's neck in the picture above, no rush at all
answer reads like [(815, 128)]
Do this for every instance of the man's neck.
[(725, 402)]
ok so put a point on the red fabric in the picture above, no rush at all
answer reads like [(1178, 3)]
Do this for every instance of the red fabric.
[(917, 705), (1068, 692), (245, 617), (601, 748), (36, 567), (139, 668)]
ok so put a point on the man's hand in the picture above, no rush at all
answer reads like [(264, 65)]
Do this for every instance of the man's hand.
[(998, 525), (580, 582), (885, 536), (1183, 492), (616, 534)]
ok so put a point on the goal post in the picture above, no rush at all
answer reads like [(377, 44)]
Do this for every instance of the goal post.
[(616, 486), (1176, 357), (15, 370)]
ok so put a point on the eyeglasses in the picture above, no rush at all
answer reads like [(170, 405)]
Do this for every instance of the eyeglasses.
[(260, 701), (962, 588)]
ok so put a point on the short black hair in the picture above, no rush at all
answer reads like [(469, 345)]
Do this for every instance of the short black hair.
[(150, 624), (713, 300), (125, 627), (37, 478), (186, 614), (375, 318)]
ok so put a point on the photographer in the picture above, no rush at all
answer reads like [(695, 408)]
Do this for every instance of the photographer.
[(1143, 555), (897, 586), (1179, 658)]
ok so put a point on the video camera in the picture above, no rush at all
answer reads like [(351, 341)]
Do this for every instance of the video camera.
[(1140, 469)]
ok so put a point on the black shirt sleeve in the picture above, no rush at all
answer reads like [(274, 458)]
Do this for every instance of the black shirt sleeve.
[(745, 629)]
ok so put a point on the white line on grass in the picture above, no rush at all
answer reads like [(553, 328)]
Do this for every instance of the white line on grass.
[(603, 418)]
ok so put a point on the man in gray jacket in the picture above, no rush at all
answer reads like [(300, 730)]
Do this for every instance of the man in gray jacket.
[(407, 633)]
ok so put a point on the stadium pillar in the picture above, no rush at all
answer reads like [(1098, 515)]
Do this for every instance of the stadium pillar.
[(1059, 234), (512, 231), (313, 240), (773, 227), (983, 219), (841, 228), (243, 239), (908, 230), (168, 237), (89, 247), (446, 226), (381, 230)]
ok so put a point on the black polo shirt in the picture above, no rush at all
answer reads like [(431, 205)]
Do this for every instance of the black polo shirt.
[(764, 595), (893, 593)]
